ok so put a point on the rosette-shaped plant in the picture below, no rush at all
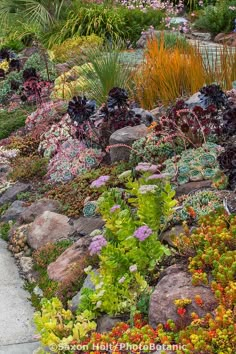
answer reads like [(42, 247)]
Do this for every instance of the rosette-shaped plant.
[(229, 122), (55, 136), (72, 159), (80, 109), (194, 164), (90, 208), (196, 205), (227, 162), (212, 94), (117, 98)]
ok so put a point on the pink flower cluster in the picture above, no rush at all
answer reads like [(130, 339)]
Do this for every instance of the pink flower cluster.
[(143, 232), (98, 242), (99, 182)]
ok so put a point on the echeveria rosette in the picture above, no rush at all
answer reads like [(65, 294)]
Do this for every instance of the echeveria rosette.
[(72, 159)]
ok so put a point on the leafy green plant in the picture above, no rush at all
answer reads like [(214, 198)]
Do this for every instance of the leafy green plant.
[(129, 248), (11, 121), (218, 18), (41, 64), (74, 49), (65, 327), (42, 12), (4, 231)]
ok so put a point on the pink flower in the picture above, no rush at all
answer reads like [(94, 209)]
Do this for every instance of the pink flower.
[(143, 232), (98, 242), (133, 268), (99, 182)]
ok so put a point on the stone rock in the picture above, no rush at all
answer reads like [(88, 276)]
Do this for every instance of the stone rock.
[(203, 36), (105, 323), (27, 52), (77, 298), (145, 116), (26, 264), (126, 136), (194, 100), (48, 227), (61, 268), (178, 21), (142, 42), (11, 193), (169, 234), (38, 208), (176, 283), (192, 186), (84, 226), (226, 38), (14, 211), (62, 68)]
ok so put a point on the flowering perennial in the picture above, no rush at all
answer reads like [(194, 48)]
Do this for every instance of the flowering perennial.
[(143, 232), (98, 242)]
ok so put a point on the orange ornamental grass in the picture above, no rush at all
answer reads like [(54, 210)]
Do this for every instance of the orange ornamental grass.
[(168, 74)]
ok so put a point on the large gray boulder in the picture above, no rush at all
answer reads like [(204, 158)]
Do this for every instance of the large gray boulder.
[(125, 136), (14, 211)]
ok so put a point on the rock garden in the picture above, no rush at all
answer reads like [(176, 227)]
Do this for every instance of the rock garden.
[(118, 173)]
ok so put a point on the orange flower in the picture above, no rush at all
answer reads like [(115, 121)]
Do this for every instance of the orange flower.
[(192, 213)]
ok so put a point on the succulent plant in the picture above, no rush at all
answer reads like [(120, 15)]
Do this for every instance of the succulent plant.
[(117, 98), (212, 94), (194, 164), (151, 149), (80, 109), (29, 74), (18, 240), (229, 122), (227, 162), (73, 158), (90, 208), (55, 137), (196, 205)]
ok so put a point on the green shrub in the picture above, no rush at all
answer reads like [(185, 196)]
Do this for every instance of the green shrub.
[(104, 21), (27, 168), (41, 65), (74, 49), (216, 19), (4, 231), (15, 44), (11, 121)]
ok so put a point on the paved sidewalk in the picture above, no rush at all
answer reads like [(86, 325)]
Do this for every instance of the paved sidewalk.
[(16, 312)]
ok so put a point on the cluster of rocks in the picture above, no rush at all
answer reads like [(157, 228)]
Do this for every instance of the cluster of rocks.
[(40, 223)]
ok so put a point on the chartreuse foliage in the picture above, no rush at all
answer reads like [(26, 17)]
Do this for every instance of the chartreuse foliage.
[(130, 253), (133, 220)]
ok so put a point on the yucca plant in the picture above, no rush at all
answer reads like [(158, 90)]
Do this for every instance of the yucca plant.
[(105, 71)]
